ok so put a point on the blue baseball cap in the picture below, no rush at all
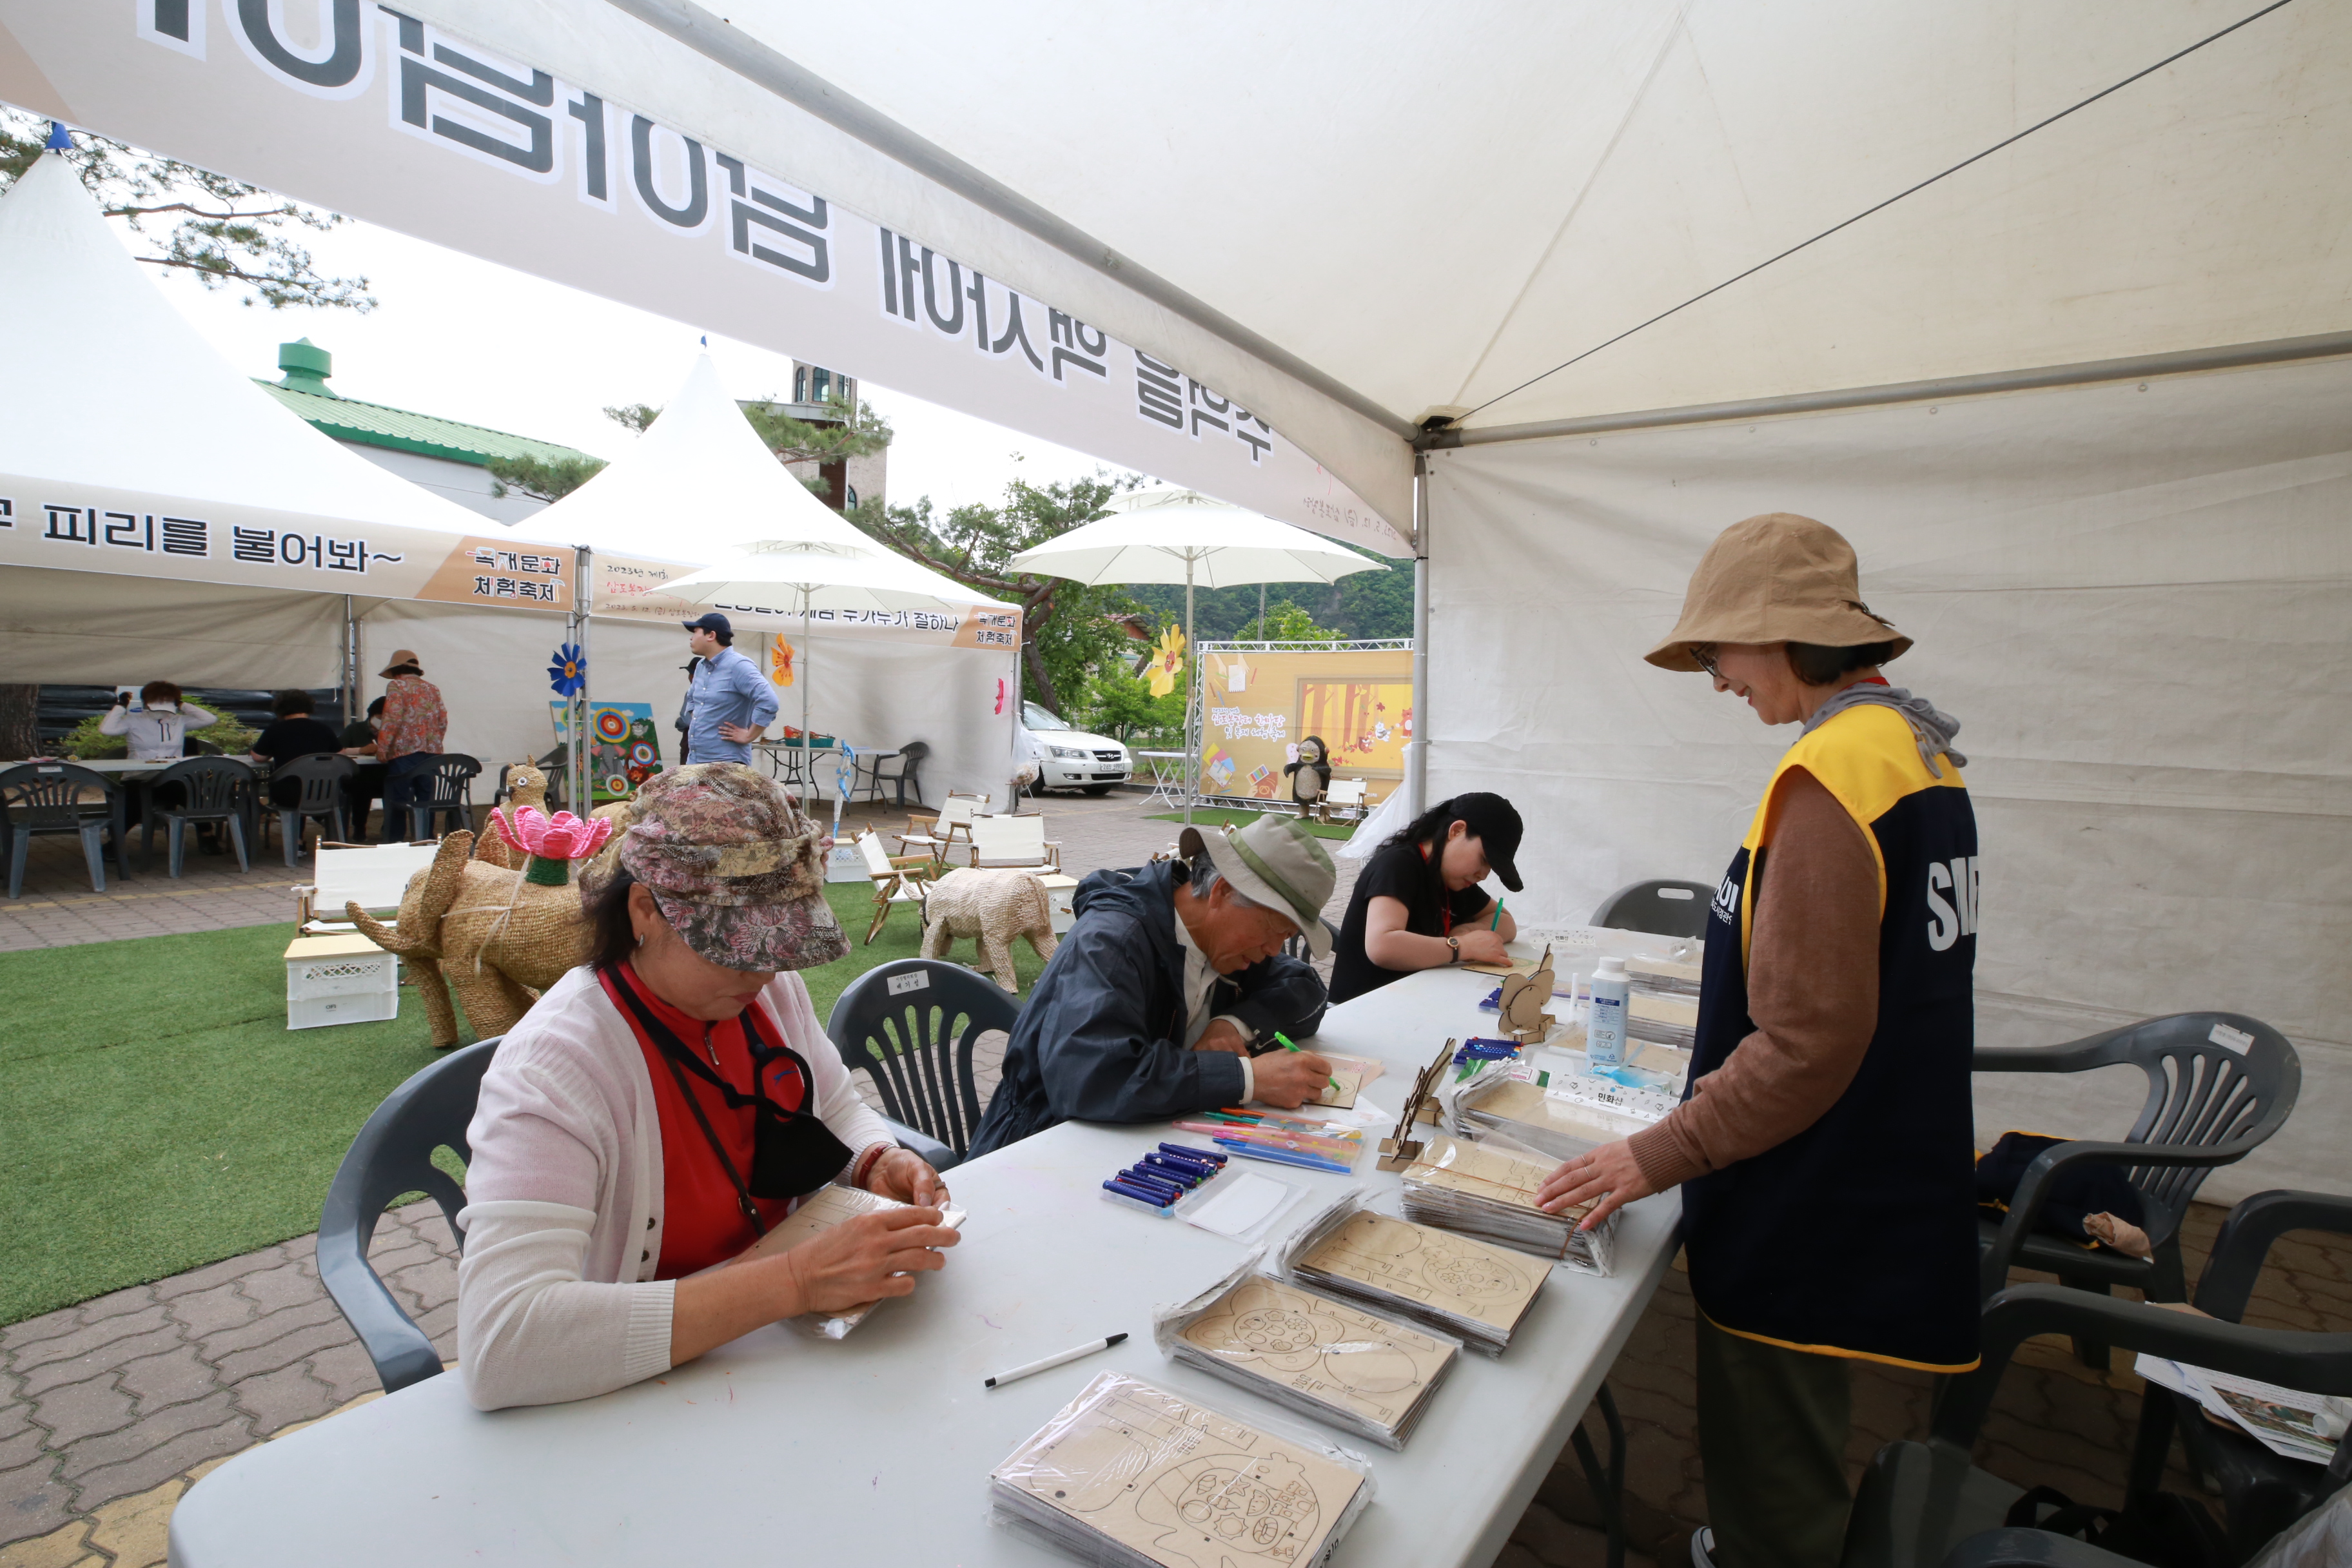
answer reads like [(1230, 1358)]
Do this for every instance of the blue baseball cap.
[(710, 621)]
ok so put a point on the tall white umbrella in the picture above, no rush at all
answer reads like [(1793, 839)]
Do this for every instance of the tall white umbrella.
[(1182, 536), (814, 575)]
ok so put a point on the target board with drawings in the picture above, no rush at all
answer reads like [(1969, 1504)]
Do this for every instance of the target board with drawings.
[(623, 746)]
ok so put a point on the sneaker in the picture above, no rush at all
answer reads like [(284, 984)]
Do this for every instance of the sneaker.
[(1703, 1548)]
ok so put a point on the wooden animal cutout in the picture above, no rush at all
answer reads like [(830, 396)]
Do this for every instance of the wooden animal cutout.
[(1523, 1001)]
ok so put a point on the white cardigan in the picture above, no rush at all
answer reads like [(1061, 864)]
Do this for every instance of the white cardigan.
[(556, 1298)]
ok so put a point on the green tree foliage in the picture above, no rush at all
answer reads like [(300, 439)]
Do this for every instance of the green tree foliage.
[(1360, 606), (1066, 628), (1286, 622), (1120, 705), (223, 232), (543, 481)]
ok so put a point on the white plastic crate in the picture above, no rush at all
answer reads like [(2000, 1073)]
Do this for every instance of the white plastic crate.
[(339, 980)]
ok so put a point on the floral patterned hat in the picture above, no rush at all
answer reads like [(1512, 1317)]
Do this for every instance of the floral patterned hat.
[(733, 864)]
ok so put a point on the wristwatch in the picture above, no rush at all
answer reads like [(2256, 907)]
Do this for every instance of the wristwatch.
[(1455, 943)]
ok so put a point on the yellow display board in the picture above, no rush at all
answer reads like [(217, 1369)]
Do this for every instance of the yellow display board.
[(1258, 707)]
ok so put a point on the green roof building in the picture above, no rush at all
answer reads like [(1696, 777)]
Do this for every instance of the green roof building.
[(444, 455)]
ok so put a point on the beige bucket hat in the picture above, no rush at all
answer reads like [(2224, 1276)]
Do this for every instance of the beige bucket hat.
[(1276, 862), (1775, 578)]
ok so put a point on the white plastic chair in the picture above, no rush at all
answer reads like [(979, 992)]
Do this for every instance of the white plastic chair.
[(1012, 841)]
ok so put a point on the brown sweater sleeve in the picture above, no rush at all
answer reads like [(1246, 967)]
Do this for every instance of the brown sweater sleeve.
[(1812, 995)]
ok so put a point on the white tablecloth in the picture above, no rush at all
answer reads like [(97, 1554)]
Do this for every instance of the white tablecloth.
[(781, 1449)]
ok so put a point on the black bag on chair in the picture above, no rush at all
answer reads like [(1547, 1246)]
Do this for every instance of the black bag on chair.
[(2163, 1529)]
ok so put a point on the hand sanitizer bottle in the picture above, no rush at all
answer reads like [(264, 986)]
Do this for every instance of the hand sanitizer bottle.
[(1604, 1025)]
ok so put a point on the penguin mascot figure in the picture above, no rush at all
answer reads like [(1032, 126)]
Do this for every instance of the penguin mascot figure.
[(1310, 775)]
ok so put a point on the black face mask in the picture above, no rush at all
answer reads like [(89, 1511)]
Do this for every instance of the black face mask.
[(793, 1152)]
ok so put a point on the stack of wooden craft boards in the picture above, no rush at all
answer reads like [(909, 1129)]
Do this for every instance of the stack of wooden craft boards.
[(1455, 1283), (1311, 1353), (1488, 1190), (821, 1210), (1132, 1475)]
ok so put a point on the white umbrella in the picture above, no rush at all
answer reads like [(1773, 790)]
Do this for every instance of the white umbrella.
[(840, 577), (1183, 536)]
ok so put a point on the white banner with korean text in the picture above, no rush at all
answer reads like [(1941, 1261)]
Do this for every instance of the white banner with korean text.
[(356, 107)]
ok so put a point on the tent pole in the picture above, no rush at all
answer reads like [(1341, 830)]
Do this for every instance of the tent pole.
[(1192, 679), (351, 664), (1416, 750), (577, 784), (1261, 611), (808, 736)]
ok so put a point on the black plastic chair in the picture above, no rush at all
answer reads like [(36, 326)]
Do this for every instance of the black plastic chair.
[(324, 779), (2031, 1548), (2209, 1104), (1659, 908), (393, 1155), (211, 789), (50, 797), (441, 790), (1295, 945), (2262, 1493), (916, 1044), (903, 778), (1918, 1500)]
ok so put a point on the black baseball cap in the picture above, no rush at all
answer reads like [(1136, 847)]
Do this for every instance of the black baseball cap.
[(710, 621), (1495, 823)]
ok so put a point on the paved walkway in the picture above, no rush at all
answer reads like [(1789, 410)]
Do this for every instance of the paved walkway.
[(110, 1410)]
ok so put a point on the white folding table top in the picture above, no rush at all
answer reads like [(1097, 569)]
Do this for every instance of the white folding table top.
[(781, 1448)]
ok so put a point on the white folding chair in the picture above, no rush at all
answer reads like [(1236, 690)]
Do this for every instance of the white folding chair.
[(903, 879), (373, 876), (953, 825), (1346, 795), (1009, 841)]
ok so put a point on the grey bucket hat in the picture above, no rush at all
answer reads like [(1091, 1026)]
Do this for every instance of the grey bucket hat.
[(1276, 862)]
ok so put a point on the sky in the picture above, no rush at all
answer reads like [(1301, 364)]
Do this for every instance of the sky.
[(465, 339)]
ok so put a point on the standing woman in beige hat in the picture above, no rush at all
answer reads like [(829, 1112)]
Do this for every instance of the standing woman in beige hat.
[(408, 738), (1825, 1144)]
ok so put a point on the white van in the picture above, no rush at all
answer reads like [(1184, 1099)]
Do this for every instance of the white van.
[(1071, 759)]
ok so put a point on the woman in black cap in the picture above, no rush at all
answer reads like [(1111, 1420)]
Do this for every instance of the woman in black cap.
[(1418, 904)]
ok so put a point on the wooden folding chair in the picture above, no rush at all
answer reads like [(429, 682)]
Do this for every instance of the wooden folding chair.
[(900, 879), (1012, 841), (949, 826)]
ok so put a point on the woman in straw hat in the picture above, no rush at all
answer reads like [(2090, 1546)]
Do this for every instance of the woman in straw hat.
[(668, 1101), (1824, 1148)]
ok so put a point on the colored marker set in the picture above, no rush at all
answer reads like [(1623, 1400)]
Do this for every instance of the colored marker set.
[(1281, 1140), (1163, 1178), (1478, 1050)]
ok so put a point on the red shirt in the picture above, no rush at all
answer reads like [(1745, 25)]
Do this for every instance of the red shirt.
[(702, 1220)]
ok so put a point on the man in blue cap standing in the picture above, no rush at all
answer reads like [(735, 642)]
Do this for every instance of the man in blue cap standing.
[(728, 704)]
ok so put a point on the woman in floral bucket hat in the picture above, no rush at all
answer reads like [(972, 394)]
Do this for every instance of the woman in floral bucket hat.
[(667, 1102)]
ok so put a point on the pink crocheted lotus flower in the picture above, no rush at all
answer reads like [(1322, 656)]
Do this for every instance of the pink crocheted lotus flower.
[(562, 836)]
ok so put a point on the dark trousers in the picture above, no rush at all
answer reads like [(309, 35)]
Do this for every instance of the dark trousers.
[(401, 777), (367, 785), (1772, 1427)]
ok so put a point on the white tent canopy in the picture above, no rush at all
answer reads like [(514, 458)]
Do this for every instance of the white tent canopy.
[(1552, 226)]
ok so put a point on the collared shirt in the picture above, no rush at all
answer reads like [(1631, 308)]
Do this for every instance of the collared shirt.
[(1200, 979), (727, 689)]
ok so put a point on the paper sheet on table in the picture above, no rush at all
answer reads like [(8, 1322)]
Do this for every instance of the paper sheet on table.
[(1238, 1204), (2287, 1421)]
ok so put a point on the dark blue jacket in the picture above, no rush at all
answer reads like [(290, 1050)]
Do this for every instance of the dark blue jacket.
[(1102, 1038)]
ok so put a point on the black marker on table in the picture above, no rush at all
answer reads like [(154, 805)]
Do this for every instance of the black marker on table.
[(1051, 1362)]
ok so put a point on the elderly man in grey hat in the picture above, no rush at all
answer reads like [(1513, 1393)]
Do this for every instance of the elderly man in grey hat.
[(1169, 989)]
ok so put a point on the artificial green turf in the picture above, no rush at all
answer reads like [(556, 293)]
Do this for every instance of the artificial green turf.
[(156, 1114), (1224, 816)]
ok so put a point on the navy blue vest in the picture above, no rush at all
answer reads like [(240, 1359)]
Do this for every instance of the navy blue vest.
[(1858, 1235)]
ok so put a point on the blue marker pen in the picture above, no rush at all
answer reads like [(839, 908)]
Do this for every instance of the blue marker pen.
[(1193, 1153), (1151, 1182)]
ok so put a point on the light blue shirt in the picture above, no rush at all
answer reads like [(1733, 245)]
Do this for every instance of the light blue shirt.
[(727, 688)]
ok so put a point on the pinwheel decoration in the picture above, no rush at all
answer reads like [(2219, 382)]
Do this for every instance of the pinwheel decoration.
[(779, 662), (552, 842), (568, 676), (1166, 662)]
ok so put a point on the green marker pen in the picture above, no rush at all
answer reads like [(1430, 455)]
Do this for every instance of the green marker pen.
[(1290, 1045)]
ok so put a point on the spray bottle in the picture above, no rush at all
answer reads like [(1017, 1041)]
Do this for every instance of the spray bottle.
[(1604, 1025)]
